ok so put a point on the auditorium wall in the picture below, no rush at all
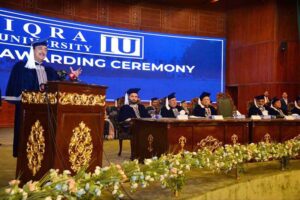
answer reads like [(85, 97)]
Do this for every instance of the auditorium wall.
[(254, 32), (255, 60)]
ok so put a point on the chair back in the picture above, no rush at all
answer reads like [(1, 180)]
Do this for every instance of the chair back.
[(225, 105)]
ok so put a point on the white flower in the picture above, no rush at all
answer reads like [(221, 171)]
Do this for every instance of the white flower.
[(80, 192), (116, 187), (114, 192), (64, 187), (105, 168), (98, 192), (134, 185), (121, 195), (66, 172), (147, 178), (147, 161), (59, 197), (48, 198), (97, 170), (87, 186), (24, 195)]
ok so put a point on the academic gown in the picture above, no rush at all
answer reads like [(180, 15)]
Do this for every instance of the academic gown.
[(295, 111), (199, 111), (127, 111), (164, 112), (275, 113), (253, 110), (22, 79)]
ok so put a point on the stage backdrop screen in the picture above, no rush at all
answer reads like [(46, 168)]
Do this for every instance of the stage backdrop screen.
[(120, 59)]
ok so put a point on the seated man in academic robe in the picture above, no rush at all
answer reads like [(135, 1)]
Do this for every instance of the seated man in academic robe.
[(131, 108), (204, 107), (154, 108), (296, 109), (171, 109), (31, 76), (184, 105), (275, 108), (258, 108)]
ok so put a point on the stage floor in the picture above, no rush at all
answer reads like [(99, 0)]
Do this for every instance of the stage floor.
[(260, 180)]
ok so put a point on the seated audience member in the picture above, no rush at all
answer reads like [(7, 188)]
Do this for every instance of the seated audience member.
[(296, 109), (131, 108), (184, 105), (258, 108), (284, 103), (170, 109), (266, 96), (275, 108), (154, 108), (204, 107)]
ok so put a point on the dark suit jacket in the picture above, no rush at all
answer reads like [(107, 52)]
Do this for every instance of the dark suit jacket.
[(284, 107), (169, 113), (199, 111)]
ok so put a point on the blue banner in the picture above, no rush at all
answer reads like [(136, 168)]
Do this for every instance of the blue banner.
[(120, 59)]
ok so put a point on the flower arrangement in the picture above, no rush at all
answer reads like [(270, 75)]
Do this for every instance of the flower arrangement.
[(168, 170)]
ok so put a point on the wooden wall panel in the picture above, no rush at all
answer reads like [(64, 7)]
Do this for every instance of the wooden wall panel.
[(7, 114), (255, 62), (51, 6), (151, 18)]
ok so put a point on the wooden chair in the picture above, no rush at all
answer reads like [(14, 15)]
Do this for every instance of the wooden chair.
[(225, 105), (124, 133)]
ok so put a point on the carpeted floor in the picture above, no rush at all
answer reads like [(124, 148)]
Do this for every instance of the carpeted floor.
[(260, 181)]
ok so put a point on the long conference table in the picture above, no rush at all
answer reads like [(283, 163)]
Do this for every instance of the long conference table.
[(153, 137)]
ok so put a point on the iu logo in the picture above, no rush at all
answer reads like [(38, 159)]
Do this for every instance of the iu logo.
[(122, 45)]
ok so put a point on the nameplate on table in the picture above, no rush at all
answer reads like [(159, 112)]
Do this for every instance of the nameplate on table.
[(255, 117), (289, 117), (217, 117), (182, 117)]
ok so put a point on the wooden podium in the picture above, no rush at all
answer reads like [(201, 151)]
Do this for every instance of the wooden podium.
[(61, 128)]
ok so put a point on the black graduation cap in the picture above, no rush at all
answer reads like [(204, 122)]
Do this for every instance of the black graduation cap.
[(39, 42), (274, 100), (183, 101), (171, 96), (154, 98), (298, 98), (204, 94), (259, 97), (133, 90)]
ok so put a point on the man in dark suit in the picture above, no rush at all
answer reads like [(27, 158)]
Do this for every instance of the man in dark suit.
[(284, 103), (171, 109), (258, 108), (204, 107), (275, 108), (296, 109)]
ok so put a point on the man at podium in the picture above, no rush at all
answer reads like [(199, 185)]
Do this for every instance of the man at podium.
[(32, 76)]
